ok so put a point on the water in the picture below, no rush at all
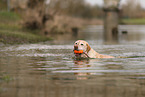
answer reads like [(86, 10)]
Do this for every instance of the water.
[(49, 70)]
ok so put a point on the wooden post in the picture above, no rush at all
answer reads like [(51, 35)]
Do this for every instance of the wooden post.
[(111, 24)]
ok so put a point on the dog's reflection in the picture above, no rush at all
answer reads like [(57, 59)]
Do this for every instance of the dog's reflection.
[(81, 67)]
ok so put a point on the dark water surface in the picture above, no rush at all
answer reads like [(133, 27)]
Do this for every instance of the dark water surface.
[(48, 69)]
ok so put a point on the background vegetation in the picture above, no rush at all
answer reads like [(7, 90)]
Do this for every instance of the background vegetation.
[(34, 20), (12, 32)]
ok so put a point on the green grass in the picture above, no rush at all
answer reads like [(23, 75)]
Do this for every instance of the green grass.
[(10, 27), (12, 32), (10, 16), (20, 37), (133, 21), (7, 78)]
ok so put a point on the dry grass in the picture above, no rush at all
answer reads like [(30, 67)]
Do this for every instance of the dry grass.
[(65, 24)]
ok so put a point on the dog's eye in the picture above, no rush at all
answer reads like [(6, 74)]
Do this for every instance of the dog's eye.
[(82, 44)]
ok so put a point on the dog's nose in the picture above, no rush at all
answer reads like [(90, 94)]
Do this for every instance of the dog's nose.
[(75, 47)]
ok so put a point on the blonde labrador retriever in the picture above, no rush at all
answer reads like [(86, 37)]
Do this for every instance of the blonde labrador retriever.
[(83, 50)]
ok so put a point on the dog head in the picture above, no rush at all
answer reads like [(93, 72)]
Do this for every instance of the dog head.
[(81, 47)]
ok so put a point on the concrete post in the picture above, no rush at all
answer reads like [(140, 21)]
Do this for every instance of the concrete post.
[(111, 19)]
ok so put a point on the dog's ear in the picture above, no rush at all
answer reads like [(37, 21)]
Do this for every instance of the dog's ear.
[(88, 48)]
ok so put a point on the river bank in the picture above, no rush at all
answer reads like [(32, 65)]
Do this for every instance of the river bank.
[(133, 21), (12, 32)]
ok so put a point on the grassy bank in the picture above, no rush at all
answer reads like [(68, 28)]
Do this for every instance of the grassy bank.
[(15, 37), (133, 21), (11, 31)]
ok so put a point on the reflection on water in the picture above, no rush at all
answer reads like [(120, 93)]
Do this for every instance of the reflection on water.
[(48, 69)]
